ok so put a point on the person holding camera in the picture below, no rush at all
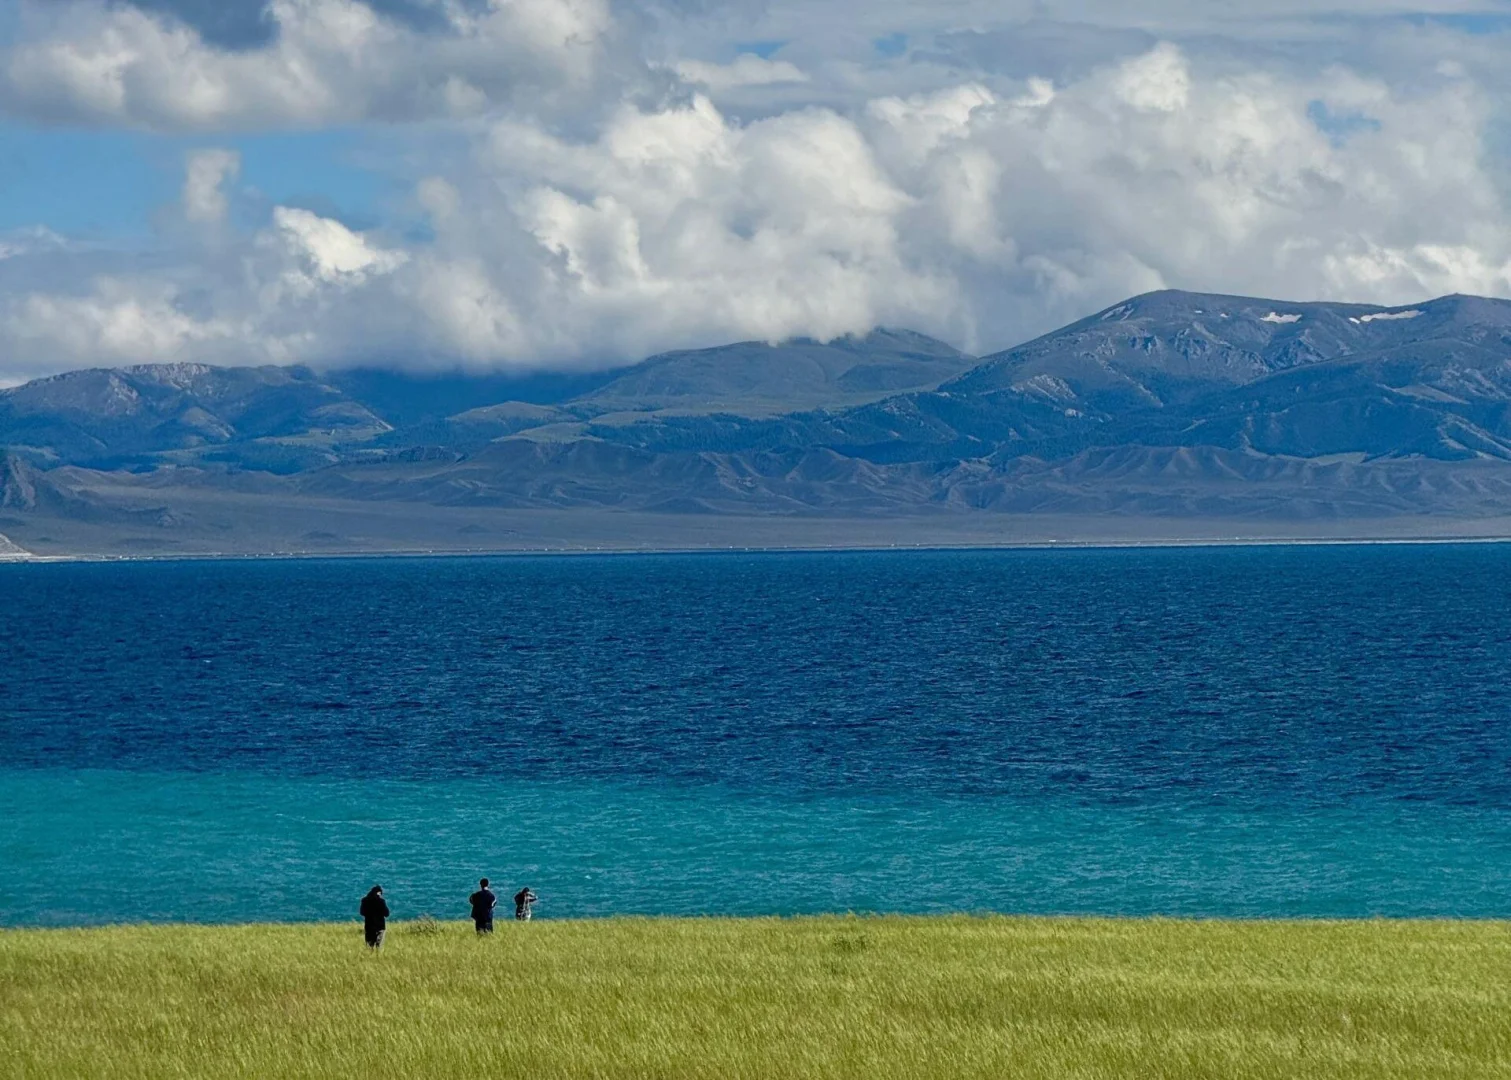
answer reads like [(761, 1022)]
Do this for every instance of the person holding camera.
[(374, 911)]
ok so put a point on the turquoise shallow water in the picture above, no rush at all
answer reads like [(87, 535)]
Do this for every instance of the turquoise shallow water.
[(82, 847), (1248, 732)]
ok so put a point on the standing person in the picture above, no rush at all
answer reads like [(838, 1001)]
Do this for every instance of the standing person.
[(483, 902), (522, 901), (374, 917)]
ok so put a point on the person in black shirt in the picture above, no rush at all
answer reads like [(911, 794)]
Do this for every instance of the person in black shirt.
[(374, 917), (522, 901), (482, 903)]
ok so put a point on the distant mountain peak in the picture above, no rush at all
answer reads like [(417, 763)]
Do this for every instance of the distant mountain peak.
[(755, 377), (1175, 303), (168, 373), (1178, 303), (897, 339), (1172, 399), (1147, 347)]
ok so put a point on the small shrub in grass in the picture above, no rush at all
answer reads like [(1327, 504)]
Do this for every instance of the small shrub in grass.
[(424, 926), (849, 944)]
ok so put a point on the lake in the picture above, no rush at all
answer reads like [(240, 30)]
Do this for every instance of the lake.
[(1234, 731)]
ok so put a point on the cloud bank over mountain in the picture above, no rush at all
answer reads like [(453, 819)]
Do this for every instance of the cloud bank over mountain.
[(586, 182)]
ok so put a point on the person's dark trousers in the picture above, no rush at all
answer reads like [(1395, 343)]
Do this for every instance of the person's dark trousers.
[(374, 937), (484, 926)]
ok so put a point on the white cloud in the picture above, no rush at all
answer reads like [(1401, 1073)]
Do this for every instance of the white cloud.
[(983, 216), (981, 208), (205, 173), (329, 62), (38, 239), (832, 21), (329, 251), (1157, 82), (681, 226), (287, 296), (746, 70), (117, 322)]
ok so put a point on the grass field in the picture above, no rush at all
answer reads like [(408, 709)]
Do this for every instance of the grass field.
[(833, 997)]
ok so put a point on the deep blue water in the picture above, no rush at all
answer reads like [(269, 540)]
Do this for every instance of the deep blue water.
[(1229, 731)]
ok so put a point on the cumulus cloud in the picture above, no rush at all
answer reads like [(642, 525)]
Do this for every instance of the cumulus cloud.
[(831, 20), (36, 240), (290, 293), (326, 251), (980, 207), (747, 70), (328, 62), (978, 215), (207, 171), (118, 321)]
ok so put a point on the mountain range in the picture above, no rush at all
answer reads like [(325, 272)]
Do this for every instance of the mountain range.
[(1171, 408)]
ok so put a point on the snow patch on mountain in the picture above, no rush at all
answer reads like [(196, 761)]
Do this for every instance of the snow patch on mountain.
[(1048, 386)]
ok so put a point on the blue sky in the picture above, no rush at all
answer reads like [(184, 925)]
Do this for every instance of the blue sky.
[(549, 183), (110, 185)]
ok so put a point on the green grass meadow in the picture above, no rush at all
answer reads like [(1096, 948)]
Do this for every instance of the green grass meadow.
[(823, 997)]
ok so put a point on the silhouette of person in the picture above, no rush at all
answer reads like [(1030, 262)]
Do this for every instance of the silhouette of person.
[(483, 902), (522, 901), (374, 917)]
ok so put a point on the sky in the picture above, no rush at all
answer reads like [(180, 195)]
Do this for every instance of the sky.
[(568, 184)]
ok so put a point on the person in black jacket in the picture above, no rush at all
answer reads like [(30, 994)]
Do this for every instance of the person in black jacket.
[(522, 901), (482, 903), (374, 917)]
